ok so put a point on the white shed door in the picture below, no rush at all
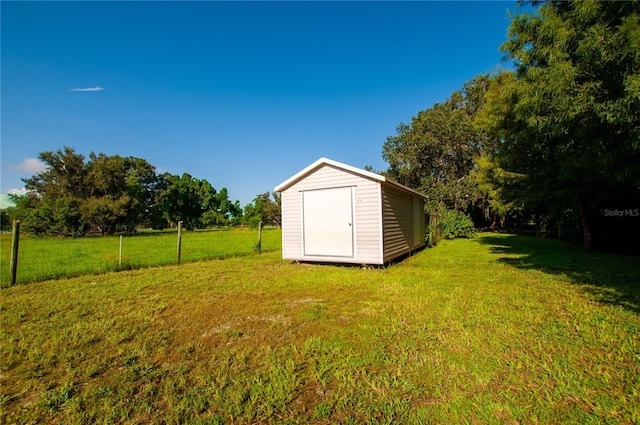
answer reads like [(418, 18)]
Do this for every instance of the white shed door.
[(328, 222)]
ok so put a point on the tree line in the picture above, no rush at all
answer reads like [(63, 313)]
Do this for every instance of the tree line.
[(552, 144), (75, 195)]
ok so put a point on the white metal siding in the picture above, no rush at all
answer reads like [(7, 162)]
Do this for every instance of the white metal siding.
[(399, 222), (367, 217), (291, 204)]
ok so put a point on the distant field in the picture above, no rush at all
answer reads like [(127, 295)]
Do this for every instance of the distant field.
[(494, 330), (50, 258)]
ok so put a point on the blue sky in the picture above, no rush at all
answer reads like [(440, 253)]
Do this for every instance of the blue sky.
[(242, 94)]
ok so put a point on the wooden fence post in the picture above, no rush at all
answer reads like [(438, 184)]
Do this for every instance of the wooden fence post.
[(120, 254), (179, 241), (259, 245), (13, 265)]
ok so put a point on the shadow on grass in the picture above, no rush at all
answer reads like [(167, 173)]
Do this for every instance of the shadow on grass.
[(609, 278)]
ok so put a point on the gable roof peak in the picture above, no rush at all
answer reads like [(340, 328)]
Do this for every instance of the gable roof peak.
[(319, 164), (358, 171)]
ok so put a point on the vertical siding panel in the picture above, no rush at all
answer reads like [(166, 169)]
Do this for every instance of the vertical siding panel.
[(423, 223), (291, 224), (398, 222)]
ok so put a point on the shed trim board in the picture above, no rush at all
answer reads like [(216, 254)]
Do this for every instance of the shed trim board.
[(333, 212), (325, 161), (380, 231)]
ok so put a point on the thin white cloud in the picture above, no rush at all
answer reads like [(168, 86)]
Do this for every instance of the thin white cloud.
[(31, 165), (96, 88), (17, 191)]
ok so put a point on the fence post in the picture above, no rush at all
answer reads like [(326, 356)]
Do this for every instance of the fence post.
[(179, 241), (259, 245), (120, 254), (13, 265)]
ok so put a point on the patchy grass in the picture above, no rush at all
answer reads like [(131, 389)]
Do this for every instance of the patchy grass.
[(43, 258), (497, 329)]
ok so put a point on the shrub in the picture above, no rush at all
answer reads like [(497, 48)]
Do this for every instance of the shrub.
[(456, 225)]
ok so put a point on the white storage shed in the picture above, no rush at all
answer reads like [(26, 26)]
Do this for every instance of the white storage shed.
[(333, 212)]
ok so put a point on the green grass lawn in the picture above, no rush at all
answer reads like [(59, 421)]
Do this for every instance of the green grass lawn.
[(496, 329), (43, 258)]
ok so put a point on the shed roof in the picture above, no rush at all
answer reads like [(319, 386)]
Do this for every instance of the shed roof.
[(325, 161)]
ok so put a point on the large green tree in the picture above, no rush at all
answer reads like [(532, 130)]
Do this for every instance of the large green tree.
[(197, 203), (264, 209), (121, 191), (503, 194), (224, 212), (571, 119), (436, 152), (186, 199), (74, 195), (55, 195)]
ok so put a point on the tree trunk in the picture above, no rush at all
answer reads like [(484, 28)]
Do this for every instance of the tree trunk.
[(559, 224), (586, 228)]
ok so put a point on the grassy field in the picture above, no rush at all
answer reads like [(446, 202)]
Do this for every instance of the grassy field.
[(496, 329), (43, 258)]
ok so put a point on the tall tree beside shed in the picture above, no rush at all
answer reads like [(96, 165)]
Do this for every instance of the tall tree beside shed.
[(573, 127), (436, 152)]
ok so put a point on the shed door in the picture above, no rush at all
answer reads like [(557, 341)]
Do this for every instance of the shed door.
[(328, 222)]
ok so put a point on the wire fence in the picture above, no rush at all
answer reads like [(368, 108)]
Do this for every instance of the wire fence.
[(42, 258)]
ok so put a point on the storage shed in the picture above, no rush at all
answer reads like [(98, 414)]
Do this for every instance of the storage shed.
[(333, 212)]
